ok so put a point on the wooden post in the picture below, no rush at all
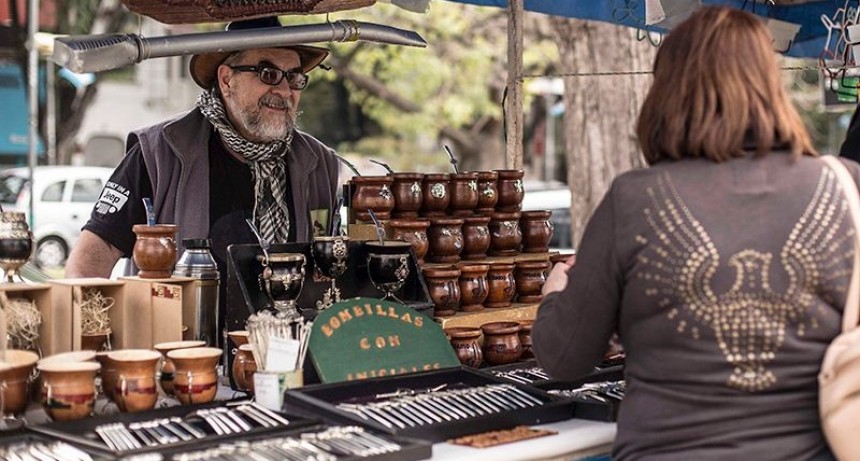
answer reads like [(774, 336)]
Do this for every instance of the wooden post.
[(514, 101)]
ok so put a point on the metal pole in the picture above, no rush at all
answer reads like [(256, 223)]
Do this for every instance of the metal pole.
[(514, 102), (33, 84), (51, 113), (95, 53)]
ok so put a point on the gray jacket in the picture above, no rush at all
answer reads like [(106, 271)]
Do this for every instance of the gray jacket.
[(177, 159), (726, 283)]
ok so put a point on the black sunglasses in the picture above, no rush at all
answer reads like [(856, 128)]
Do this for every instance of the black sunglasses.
[(270, 75)]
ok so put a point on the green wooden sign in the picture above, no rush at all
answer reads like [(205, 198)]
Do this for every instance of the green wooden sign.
[(367, 338)]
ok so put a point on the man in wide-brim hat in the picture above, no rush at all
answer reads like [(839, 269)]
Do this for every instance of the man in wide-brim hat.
[(204, 67), (257, 165)]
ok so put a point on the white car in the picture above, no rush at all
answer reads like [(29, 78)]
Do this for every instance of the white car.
[(63, 201), (556, 198)]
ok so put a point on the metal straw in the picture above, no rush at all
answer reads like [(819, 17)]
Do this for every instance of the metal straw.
[(335, 220), (348, 164), (264, 244), (383, 165), (380, 232), (263, 326), (452, 159), (150, 211)]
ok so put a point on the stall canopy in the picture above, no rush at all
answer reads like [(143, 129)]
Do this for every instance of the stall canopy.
[(809, 43)]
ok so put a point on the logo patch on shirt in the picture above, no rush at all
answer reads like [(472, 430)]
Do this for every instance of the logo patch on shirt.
[(113, 198)]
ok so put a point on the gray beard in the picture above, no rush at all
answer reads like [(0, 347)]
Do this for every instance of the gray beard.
[(252, 122), (263, 131)]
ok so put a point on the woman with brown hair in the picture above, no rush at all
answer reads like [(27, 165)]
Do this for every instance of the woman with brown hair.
[(723, 266)]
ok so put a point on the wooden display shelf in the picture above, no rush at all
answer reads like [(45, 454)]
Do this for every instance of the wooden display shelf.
[(514, 313)]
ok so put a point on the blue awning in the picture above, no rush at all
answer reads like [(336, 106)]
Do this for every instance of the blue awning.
[(809, 42), (14, 126)]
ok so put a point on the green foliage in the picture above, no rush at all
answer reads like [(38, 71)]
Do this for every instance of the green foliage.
[(455, 82), (80, 15), (398, 153)]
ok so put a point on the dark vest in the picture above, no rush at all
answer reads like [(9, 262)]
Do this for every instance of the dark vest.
[(177, 160)]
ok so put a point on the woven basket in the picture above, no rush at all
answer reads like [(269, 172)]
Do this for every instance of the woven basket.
[(161, 11), (196, 11), (184, 3), (231, 10)]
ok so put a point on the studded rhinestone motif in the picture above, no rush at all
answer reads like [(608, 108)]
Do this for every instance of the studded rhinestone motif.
[(749, 321)]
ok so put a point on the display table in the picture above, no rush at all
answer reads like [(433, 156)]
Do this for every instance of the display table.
[(576, 439)]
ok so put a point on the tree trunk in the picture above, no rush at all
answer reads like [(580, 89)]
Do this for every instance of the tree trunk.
[(600, 111)]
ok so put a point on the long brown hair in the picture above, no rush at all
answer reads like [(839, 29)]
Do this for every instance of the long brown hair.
[(717, 87)]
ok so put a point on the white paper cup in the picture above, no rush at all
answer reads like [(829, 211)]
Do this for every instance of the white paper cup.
[(269, 386)]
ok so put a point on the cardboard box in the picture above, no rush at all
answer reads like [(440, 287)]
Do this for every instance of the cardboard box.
[(155, 311), (53, 337), (63, 294)]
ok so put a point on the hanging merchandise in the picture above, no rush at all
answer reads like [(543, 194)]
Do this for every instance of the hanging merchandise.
[(783, 33), (669, 13)]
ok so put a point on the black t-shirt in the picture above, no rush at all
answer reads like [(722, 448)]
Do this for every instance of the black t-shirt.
[(231, 201), (120, 205)]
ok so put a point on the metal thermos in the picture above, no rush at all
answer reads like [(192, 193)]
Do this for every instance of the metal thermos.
[(197, 262)]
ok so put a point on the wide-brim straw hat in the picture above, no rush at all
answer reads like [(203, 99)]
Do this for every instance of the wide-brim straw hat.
[(204, 67)]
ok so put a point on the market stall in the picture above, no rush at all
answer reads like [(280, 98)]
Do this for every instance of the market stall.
[(407, 337), (404, 338)]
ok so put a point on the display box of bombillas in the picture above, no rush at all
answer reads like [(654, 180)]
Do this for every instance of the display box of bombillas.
[(179, 427), (433, 405), (529, 372), (71, 298), (597, 396), (236, 429), (25, 444), (526, 372), (335, 442), (154, 311), (54, 334)]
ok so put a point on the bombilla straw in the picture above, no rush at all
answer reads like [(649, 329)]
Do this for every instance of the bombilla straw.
[(452, 159), (150, 211), (348, 164), (380, 232), (383, 165), (264, 244), (335, 221)]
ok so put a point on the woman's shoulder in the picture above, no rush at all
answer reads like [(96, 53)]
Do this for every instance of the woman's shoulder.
[(639, 178), (853, 168)]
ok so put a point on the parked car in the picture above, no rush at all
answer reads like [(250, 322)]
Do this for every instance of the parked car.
[(63, 201), (555, 198)]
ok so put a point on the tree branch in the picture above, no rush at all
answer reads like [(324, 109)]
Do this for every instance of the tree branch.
[(379, 90)]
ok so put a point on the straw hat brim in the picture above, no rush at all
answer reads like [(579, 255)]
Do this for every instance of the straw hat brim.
[(204, 67)]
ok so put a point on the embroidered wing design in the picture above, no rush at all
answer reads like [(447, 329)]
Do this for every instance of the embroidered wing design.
[(749, 320)]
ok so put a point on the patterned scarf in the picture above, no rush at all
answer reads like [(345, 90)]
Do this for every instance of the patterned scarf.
[(268, 166)]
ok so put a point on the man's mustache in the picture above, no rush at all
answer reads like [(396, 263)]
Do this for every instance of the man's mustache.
[(276, 101)]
